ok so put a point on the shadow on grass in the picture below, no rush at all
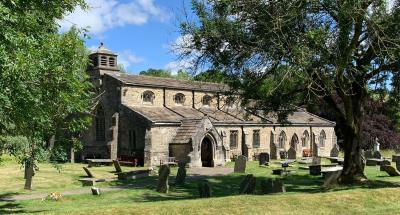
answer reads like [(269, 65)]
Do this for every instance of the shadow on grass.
[(9, 206), (228, 185)]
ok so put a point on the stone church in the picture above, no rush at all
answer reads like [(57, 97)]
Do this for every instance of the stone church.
[(151, 119)]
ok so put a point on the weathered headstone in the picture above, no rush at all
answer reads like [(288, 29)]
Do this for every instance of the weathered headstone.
[(335, 152), (398, 165), (204, 190), (88, 173), (283, 155), (240, 164), (181, 175), (390, 170), (291, 153), (377, 155), (315, 169), (368, 154), (163, 174), (95, 191), (248, 185), (278, 186), (117, 166), (263, 158)]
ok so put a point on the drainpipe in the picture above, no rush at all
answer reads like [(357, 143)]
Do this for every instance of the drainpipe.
[(164, 97)]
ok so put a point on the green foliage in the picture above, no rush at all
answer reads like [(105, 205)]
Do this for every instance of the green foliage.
[(214, 76), (180, 75), (44, 88)]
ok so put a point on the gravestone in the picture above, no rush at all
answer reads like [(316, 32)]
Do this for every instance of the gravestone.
[(88, 173), (266, 186), (398, 165), (248, 185), (335, 152), (117, 166), (181, 175), (377, 155), (95, 191), (395, 158), (263, 158), (390, 170), (368, 154), (204, 190), (278, 186), (163, 174), (291, 153), (283, 155), (316, 161), (240, 164), (315, 169), (277, 171)]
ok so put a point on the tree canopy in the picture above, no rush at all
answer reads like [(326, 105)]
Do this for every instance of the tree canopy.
[(44, 88), (290, 52)]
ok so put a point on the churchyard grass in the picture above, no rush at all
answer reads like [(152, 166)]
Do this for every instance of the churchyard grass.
[(304, 194)]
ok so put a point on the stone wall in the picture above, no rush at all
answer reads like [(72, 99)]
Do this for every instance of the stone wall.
[(132, 95), (169, 98)]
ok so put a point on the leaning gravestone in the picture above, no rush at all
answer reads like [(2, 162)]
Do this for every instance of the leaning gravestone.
[(291, 153), (117, 166), (390, 170), (240, 164), (95, 191), (88, 173), (204, 190), (181, 175), (263, 159), (335, 152), (248, 185), (163, 174), (377, 155)]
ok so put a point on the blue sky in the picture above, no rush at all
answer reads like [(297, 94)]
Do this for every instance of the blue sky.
[(141, 32)]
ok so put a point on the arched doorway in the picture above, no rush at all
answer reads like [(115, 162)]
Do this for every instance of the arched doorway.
[(207, 152)]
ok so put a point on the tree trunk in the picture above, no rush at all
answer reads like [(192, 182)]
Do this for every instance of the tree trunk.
[(353, 168), (29, 175)]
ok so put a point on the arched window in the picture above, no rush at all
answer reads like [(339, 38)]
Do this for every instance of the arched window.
[(100, 124), (294, 142), (103, 60), (322, 138), (179, 98), (206, 100), (148, 96), (305, 139), (282, 140)]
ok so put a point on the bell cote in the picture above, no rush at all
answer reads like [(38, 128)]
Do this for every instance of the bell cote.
[(103, 59)]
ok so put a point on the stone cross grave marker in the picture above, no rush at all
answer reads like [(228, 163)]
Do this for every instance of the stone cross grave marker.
[(163, 174), (240, 164)]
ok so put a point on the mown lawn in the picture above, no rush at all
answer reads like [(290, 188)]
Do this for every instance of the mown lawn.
[(381, 195)]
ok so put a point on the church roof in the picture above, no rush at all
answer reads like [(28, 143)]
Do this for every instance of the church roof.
[(149, 81), (103, 50), (186, 131)]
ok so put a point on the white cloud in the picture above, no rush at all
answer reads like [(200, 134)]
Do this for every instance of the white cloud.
[(127, 58), (175, 66), (103, 15)]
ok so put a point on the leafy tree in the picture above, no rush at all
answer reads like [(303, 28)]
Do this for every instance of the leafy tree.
[(289, 52), (157, 73), (215, 76), (44, 88)]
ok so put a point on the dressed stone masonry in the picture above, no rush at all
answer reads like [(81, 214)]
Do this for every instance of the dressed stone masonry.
[(149, 119)]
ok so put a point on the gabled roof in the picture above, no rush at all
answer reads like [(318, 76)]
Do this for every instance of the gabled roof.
[(149, 81), (186, 131), (300, 117)]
